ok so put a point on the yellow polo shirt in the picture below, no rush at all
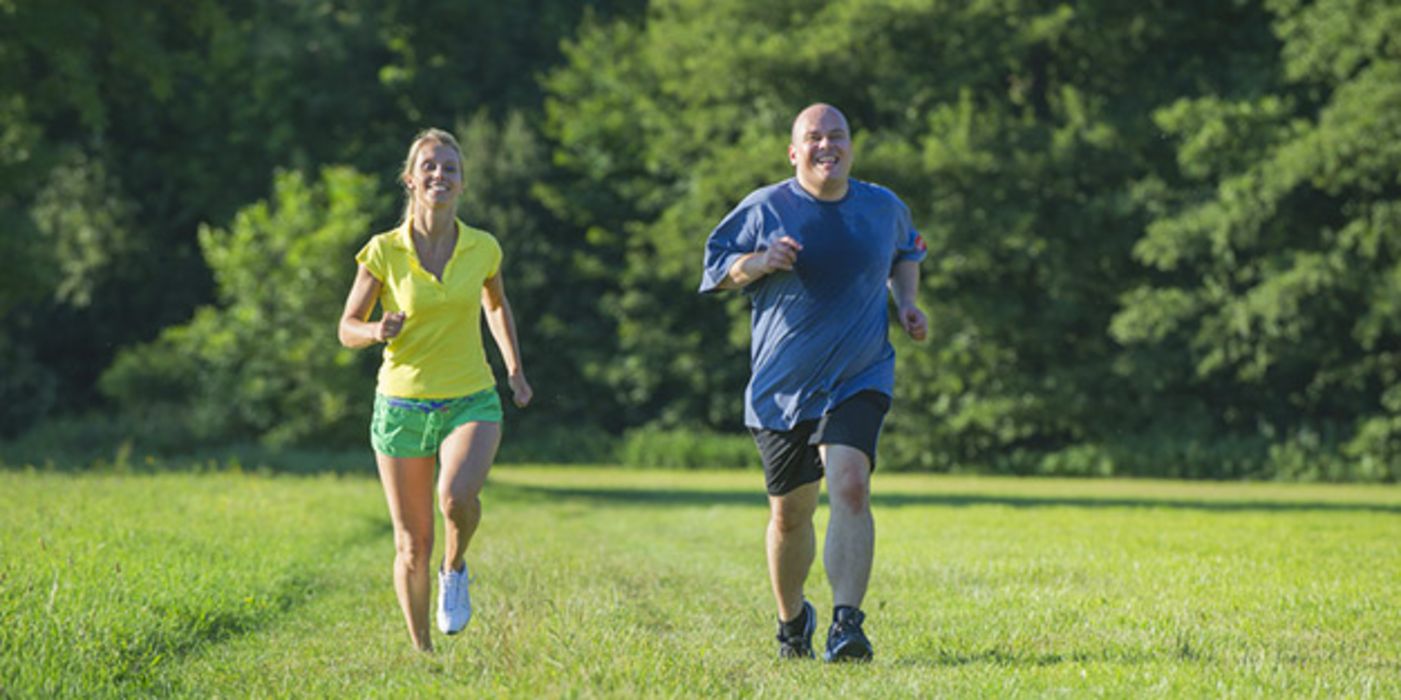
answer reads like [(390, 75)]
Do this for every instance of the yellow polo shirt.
[(438, 354)]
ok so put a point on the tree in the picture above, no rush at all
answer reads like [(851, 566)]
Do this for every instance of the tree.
[(1276, 247), (553, 297), (123, 129), (1016, 130)]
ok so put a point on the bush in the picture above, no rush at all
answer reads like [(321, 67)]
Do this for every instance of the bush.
[(527, 442), (81, 441), (685, 449), (264, 363), (27, 388)]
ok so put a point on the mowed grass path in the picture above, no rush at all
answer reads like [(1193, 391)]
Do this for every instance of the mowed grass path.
[(602, 583)]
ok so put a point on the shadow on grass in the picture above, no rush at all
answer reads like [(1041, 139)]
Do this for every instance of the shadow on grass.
[(177, 630), (252, 459), (181, 629), (694, 497)]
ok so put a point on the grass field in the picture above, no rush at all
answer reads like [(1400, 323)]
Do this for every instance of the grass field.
[(594, 582)]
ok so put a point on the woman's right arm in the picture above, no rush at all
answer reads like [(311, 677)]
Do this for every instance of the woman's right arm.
[(356, 331)]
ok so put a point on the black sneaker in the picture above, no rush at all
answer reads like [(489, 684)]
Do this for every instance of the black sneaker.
[(798, 646), (845, 640)]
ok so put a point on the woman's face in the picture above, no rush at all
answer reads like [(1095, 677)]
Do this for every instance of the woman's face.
[(436, 179)]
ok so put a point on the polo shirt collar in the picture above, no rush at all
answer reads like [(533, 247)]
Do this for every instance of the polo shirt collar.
[(465, 241)]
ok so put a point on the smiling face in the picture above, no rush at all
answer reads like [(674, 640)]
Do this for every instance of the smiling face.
[(435, 176), (821, 151)]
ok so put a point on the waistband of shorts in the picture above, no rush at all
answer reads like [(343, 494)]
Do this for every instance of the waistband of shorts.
[(426, 405)]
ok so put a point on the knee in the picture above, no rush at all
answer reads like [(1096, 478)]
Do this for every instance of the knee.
[(852, 494), (789, 518), (455, 505), (413, 548)]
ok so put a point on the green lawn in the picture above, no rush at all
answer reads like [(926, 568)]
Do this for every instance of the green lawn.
[(593, 582)]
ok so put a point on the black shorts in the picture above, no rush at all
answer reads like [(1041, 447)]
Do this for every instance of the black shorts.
[(791, 458)]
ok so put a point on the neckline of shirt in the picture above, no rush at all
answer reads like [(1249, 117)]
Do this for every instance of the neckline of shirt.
[(465, 241), (798, 188)]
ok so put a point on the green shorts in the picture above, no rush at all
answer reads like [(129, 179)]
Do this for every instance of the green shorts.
[(417, 427)]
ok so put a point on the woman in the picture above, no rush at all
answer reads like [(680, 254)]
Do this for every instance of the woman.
[(435, 402)]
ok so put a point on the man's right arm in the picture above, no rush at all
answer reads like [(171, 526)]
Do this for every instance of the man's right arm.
[(746, 270), (751, 267)]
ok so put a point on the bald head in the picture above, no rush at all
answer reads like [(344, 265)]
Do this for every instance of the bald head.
[(820, 151), (817, 114)]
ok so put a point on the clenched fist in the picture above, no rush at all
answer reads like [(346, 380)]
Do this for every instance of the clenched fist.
[(389, 326)]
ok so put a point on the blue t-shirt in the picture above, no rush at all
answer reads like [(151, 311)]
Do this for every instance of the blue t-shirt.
[(819, 332)]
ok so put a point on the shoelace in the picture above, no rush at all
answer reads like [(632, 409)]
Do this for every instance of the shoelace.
[(850, 623), (458, 590), (797, 638)]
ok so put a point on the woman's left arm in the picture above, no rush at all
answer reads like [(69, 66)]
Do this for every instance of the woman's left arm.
[(503, 329)]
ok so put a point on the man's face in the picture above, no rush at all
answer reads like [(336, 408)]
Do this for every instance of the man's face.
[(821, 148)]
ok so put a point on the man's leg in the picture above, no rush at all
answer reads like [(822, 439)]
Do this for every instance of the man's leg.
[(791, 545), (793, 479), (851, 531)]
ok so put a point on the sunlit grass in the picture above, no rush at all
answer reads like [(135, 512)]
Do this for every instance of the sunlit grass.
[(597, 582)]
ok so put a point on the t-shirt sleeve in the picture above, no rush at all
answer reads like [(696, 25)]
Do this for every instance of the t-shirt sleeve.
[(909, 245), (372, 257), (734, 237), (496, 255)]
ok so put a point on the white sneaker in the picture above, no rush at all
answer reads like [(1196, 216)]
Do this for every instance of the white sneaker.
[(454, 602)]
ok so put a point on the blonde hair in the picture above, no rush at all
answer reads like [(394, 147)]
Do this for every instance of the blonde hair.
[(427, 136)]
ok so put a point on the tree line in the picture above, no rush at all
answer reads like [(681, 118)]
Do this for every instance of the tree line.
[(1163, 237)]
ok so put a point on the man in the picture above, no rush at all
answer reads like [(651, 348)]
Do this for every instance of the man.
[(816, 253)]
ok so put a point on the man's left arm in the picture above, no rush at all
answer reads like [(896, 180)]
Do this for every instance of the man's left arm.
[(904, 286)]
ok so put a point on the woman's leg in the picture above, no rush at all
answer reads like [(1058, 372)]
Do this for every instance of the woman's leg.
[(466, 455), (408, 487)]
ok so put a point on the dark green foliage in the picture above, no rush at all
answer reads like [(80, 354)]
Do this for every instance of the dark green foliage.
[(561, 333), (651, 448), (1036, 144), (1276, 253), (138, 124), (1164, 236)]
